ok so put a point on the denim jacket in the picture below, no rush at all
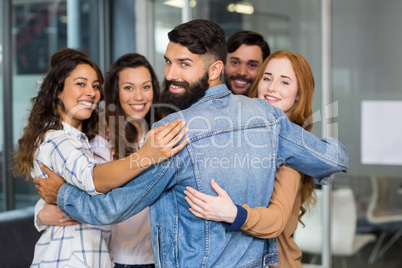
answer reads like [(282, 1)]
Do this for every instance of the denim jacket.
[(237, 141)]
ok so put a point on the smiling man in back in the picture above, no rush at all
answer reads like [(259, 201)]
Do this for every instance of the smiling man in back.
[(246, 52)]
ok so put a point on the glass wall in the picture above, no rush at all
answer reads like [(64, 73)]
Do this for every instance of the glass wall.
[(122, 36), (166, 16), (367, 64)]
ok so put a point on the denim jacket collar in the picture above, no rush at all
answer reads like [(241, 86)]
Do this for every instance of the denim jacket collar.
[(215, 92)]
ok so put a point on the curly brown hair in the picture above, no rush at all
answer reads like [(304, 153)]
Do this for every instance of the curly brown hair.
[(301, 112), (44, 115)]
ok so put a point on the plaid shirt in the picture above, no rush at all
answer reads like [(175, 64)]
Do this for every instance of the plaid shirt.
[(69, 154)]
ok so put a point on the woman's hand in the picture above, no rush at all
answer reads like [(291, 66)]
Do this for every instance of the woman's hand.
[(51, 215), (162, 142), (208, 207)]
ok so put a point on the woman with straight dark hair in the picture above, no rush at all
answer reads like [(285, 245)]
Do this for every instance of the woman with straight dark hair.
[(131, 89)]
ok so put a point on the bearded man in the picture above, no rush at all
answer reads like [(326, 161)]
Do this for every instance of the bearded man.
[(237, 141)]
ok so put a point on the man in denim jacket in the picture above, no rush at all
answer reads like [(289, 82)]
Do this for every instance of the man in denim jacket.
[(238, 141)]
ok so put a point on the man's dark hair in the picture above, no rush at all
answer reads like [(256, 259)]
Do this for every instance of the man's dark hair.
[(248, 38), (202, 37)]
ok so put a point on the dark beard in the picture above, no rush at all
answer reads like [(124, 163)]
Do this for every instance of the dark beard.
[(174, 102), (229, 79)]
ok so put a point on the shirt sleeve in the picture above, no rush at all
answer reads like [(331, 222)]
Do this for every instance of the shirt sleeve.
[(269, 222), (38, 207), (69, 159), (241, 217)]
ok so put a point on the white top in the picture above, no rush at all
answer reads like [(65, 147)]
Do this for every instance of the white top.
[(131, 240), (69, 154)]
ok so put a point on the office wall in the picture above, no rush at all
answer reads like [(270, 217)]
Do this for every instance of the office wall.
[(367, 65)]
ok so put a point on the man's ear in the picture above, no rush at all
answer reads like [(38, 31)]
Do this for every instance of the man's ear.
[(215, 70)]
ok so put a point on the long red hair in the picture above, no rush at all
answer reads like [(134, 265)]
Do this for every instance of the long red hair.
[(301, 112)]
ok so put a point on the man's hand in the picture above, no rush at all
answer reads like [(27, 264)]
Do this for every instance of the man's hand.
[(49, 187)]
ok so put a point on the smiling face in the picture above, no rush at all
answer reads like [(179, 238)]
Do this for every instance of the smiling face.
[(279, 85), (242, 67), (182, 68), (80, 95), (186, 79), (135, 91)]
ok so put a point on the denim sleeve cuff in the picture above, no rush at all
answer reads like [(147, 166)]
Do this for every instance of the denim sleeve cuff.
[(325, 181), (61, 197), (239, 220)]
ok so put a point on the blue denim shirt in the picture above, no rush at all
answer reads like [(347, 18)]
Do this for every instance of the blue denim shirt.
[(237, 141)]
